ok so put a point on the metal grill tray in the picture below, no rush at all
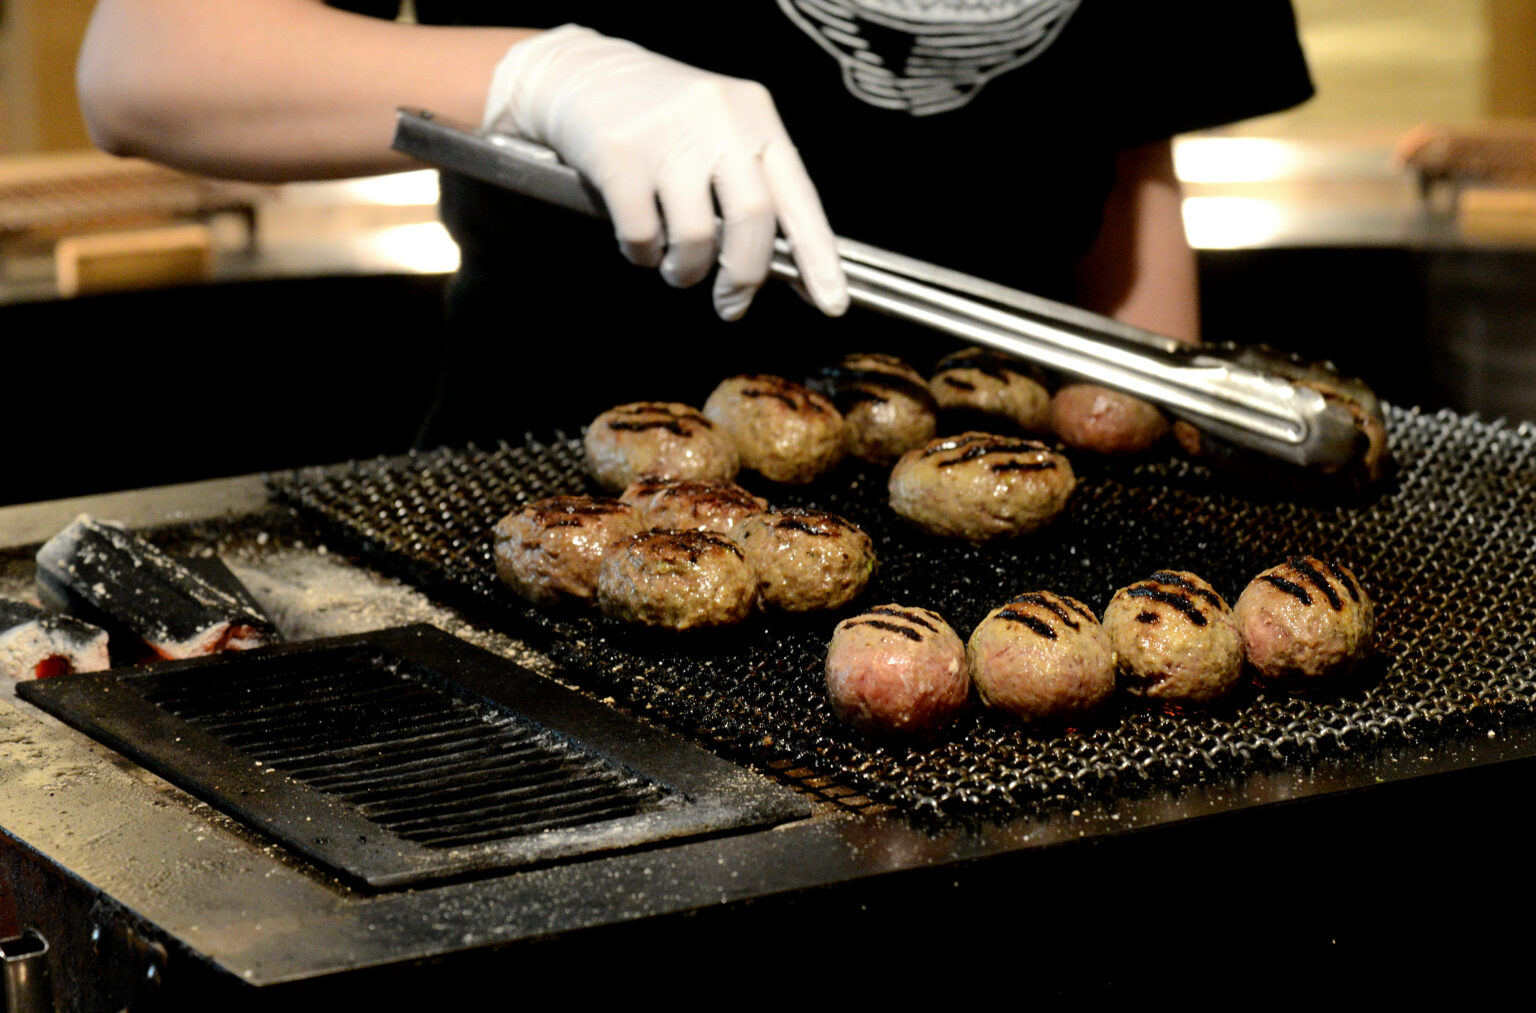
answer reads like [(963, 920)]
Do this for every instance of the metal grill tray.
[(1448, 550), (407, 755)]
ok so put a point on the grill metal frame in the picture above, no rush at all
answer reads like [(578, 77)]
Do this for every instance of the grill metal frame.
[(1338, 864)]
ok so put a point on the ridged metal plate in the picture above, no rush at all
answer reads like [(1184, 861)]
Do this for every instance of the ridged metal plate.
[(404, 756)]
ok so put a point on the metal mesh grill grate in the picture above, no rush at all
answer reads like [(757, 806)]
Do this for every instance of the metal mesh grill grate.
[(1449, 552), (430, 765)]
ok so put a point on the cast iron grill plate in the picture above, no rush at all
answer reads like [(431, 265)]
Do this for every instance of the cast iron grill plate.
[(1448, 550), (408, 755)]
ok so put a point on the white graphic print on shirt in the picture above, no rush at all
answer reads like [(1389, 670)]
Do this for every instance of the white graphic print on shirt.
[(928, 56)]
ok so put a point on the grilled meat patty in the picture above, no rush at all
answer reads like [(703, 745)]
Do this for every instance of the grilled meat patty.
[(896, 670), (659, 438), (784, 432), (1042, 657), (807, 559), (1089, 417), (549, 551), (677, 580), (984, 382), (978, 486), (692, 506), (886, 407), (1305, 619), (1175, 639)]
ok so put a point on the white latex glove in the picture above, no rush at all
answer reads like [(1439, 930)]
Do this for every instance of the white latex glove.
[(649, 131)]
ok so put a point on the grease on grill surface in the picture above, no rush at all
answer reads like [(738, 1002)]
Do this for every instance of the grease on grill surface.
[(1451, 579)]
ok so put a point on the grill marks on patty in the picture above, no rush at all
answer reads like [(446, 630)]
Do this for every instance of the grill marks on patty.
[(1294, 590), (1184, 583), (692, 545), (811, 522), (913, 623), (984, 361), (1344, 577), (1062, 607), (569, 512), (1179, 593), (1175, 599), (1317, 580), (1029, 622), (881, 624), (791, 395), (1068, 611), (972, 446), (911, 615), (645, 415), (1308, 570), (870, 377)]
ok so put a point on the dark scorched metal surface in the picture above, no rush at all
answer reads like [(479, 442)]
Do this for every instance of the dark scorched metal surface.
[(1448, 550)]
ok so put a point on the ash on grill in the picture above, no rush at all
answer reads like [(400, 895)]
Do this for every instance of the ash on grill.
[(1445, 548)]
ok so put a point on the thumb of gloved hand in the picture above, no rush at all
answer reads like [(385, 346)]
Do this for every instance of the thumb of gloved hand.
[(651, 133)]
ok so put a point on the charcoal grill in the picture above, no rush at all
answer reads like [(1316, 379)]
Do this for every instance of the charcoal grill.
[(1448, 549), (1099, 848)]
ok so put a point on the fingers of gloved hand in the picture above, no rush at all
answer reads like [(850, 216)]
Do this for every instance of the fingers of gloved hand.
[(646, 129), (748, 225), (631, 202), (688, 209), (805, 227)]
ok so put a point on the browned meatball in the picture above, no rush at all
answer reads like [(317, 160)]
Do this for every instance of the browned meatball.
[(692, 506), (1175, 639), (896, 670), (1105, 421), (990, 383), (549, 551), (785, 432), (677, 580), (977, 486), (1305, 619), (1042, 657), (807, 559), (660, 438), (886, 407)]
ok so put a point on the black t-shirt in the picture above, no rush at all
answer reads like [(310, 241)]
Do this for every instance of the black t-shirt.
[(979, 136)]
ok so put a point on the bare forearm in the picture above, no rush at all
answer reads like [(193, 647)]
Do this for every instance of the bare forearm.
[(1141, 270), (272, 90)]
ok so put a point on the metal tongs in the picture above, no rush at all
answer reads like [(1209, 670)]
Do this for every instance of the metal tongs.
[(1236, 403)]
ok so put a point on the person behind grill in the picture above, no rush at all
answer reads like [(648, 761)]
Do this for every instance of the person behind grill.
[(1026, 141)]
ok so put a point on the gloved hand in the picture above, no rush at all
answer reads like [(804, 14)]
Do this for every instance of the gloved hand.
[(646, 130)]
